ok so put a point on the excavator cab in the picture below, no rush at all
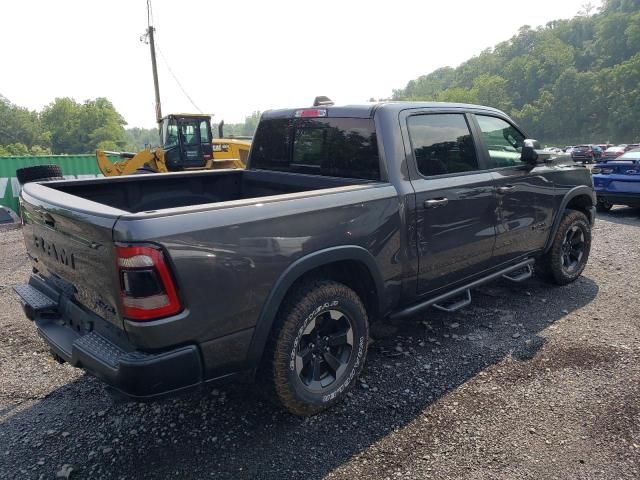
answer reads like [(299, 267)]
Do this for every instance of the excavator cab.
[(186, 141)]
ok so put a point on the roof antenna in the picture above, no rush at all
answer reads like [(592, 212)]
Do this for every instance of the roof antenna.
[(322, 101)]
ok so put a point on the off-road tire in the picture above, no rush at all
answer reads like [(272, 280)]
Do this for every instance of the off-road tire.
[(603, 206), (277, 375), (550, 266), (39, 173)]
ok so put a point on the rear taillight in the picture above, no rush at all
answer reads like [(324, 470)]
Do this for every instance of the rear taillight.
[(146, 286)]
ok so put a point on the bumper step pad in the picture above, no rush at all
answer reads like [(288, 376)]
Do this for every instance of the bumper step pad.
[(101, 348), (35, 302)]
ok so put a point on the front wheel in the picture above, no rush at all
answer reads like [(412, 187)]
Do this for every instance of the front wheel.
[(569, 252), (318, 348)]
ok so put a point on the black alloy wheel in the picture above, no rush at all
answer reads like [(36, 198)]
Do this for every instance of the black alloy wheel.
[(325, 349), (317, 349), (573, 249), (568, 254)]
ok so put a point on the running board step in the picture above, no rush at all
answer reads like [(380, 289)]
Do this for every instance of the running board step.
[(452, 304), (520, 275), (451, 301)]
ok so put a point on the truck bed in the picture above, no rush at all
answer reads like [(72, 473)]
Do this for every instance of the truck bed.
[(140, 193)]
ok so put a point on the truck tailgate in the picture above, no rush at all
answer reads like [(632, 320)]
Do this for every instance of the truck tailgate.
[(69, 242)]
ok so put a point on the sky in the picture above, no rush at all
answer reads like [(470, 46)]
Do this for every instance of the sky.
[(235, 57)]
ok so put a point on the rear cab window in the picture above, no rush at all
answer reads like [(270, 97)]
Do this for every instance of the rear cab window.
[(336, 147)]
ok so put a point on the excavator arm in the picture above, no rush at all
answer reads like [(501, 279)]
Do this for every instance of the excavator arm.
[(130, 163)]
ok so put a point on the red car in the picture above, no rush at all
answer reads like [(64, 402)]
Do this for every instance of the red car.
[(612, 153)]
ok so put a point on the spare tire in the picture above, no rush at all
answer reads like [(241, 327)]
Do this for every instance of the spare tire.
[(38, 173)]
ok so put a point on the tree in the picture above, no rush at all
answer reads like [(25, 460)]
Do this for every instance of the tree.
[(81, 128), (573, 81), (20, 126), (140, 138), (245, 129)]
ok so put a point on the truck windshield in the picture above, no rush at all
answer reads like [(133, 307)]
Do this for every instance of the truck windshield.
[(337, 147)]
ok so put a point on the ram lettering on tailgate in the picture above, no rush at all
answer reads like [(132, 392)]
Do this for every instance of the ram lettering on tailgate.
[(60, 254)]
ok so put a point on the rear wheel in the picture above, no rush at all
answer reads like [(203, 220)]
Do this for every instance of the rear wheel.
[(318, 348), (569, 252), (39, 173)]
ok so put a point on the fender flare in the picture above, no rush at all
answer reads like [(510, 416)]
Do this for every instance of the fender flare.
[(570, 195), (293, 272)]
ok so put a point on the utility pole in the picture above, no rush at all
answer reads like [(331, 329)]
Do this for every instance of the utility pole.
[(152, 46)]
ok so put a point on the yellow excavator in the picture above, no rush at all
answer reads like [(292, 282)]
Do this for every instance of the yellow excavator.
[(187, 144)]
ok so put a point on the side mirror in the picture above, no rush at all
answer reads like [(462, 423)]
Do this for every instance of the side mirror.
[(529, 154)]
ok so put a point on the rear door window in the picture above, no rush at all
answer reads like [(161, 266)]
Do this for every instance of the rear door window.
[(442, 143)]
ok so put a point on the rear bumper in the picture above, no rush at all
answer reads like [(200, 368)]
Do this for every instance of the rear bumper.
[(134, 373)]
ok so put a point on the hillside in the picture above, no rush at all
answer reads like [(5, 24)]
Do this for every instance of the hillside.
[(569, 81)]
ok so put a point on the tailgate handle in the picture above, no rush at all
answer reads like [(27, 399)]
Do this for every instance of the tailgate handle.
[(435, 202), (48, 219), (506, 189)]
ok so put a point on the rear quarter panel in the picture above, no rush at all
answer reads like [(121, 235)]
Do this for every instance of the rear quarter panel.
[(227, 259)]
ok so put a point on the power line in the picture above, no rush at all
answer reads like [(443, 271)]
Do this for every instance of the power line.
[(176, 79), (150, 22)]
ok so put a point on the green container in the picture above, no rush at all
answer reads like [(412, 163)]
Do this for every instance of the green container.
[(73, 166)]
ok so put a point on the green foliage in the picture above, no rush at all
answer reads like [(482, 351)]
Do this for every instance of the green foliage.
[(245, 129), (570, 81), (64, 126), (141, 138), (82, 128), (19, 126)]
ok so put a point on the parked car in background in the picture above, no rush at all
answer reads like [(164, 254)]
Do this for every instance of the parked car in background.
[(612, 153), (604, 146), (617, 182), (555, 150), (586, 153), (631, 146), (568, 149)]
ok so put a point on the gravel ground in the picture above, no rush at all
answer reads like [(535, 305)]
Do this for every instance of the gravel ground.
[(531, 381)]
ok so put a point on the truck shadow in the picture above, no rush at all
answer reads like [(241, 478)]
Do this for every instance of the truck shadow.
[(231, 433), (622, 215)]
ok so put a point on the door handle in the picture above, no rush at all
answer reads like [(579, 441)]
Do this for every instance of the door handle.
[(435, 202), (506, 189)]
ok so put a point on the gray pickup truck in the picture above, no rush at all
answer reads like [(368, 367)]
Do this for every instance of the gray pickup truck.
[(344, 216)]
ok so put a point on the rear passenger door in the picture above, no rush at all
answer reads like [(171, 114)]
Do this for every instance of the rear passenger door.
[(525, 196), (454, 214)]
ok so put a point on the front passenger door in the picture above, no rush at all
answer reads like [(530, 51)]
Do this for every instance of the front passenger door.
[(525, 196)]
